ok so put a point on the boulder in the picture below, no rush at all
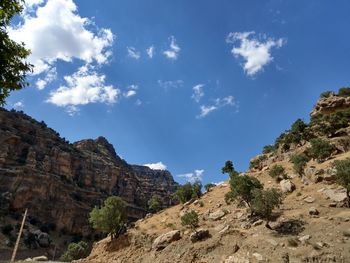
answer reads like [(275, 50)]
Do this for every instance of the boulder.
[(200, 234), (44, 239), (309, 199), (236, 258), (217, 215), (258, 256), (164, 240), (40, 258), (287, 186), (336, 195), (313, 211)]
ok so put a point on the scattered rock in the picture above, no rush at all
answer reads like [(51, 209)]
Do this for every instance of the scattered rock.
[(287, 186), (336, 195), (258, 256), (40, 258), (346, 233), (217, 215), (237, 259), (272, 242), (196, 202), (333, 204), (309, 199), (313, 211), (224, 230), (258, 222), (246, 225), (305, 238), (200, 234), (164, 240)]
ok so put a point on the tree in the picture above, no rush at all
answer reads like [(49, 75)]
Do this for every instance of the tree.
[(111, 217), (188, 191), (344, 92), (75, 251), (154, 203), (190, 219), (209, 186), (326, 94), (343, 175), (277, 172), (263, 203), (299, 162), (269, 149), (320, 149), (242, 187), (13, 68)]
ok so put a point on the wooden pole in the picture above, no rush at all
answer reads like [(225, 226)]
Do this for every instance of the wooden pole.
[(19, 237)]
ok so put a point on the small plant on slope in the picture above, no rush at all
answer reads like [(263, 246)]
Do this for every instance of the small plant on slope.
[(277, 172), (75, 251), (299, 162), (320, 149), (190, 219), (343, 175), (154, 203)]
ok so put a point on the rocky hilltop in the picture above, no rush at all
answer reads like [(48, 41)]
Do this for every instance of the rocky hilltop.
[(311, 225), (60, 182)]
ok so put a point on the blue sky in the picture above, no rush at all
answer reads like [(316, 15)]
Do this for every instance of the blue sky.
[(189, 84)]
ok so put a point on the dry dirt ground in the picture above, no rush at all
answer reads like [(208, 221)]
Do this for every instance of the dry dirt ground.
[(235, 237)]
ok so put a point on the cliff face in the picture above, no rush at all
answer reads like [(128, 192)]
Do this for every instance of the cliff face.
[(60, 182)]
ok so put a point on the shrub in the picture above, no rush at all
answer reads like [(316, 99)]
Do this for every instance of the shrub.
[(190, 219), (320, 149), (75, 251), (242, 187), (257, 162), (201, 203), (344, 92), (329, 124), (188, 191), (343, 175), (111, 217), (264, 201), (6, 229), (277, 172), (299, 162), (326, 94), (229, 169), (154, 203), (209, 186), (269, 149)]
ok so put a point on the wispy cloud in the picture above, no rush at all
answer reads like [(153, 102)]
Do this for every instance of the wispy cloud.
[(198, 92), (255, 53), (131, 91), (150, 51), (170, 84), (218, 103), (193, 176), (156, 166), (50, 76), (173, 51), (133, 53), (18, 105)]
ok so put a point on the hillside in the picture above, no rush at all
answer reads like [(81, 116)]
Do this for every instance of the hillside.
[(312, 224), (60, 182)]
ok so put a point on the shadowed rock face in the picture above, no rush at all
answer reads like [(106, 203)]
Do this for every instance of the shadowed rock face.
[(60, 182)]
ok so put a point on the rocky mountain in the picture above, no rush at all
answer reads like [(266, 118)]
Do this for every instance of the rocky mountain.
[(60, 182), (311, 225)]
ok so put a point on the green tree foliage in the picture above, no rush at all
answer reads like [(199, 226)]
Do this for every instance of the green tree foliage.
[(111, 217), (190, 219), (277, 172), (188, 191), (257, 163), (13, 69), (344, 92), (269, 149), (154, 203), (209, 186), (75, 251), (299, 162), (320, 149), (6, 229), (343, 175), (329, 124), (326, 94), (229, 169), (264, 201), (242, 188)]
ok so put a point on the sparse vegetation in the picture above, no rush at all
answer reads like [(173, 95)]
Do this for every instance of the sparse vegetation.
[(344, 92), (209, 186), (111, 217), (75, 251), (343, 175), (329, 124), (277, 172), (242, 188), (229, 169), (154, 203), (7, 229), (299, 162), (269, 149), (320, 149), (201, 203), (257, 163), (190, 219), (326, 94), (188, 191), (264, 201)]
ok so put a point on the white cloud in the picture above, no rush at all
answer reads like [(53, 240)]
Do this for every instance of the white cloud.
[(150, 51), (138, 102), (218, 103), (72, 110), (133, 53), (156, 166), (83, 87), (193, 177), (131, 91), (198, 92), (173, 51), (170, 84), (18, 105), (256, 54), (54, 31), (50, 76)]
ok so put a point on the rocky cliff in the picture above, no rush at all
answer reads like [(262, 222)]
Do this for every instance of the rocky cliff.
[(60, 182)]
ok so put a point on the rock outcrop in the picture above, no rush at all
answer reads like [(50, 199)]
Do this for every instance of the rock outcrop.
[(331, 104), (60, 182)]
